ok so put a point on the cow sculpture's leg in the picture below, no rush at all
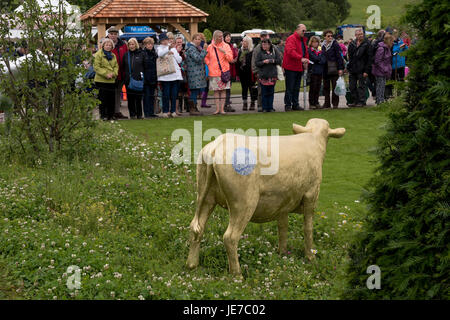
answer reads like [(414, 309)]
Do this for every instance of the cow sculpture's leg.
[(282, 233), (239, 219), (309, 202), (198, 224)]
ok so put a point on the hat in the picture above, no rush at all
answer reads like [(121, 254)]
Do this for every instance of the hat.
[(390, 30), (163, 36), (264, 33), (113, 29)]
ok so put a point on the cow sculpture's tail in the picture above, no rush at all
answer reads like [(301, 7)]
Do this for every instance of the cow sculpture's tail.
[(205, 173)]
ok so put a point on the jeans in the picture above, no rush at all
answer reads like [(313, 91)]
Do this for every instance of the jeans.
[(194, 95), (314, 89), (267, 94), (170, 93), (149, 99), (358, 88), (293, 82), (327, 79)]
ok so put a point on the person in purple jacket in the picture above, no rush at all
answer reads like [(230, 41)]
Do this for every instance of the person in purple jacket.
[(382, 66)]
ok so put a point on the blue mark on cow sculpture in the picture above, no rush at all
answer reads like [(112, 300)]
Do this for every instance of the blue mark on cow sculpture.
[(244, 161)]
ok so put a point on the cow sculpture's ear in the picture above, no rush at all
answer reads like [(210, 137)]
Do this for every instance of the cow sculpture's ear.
[(336, 133), (300, 129)]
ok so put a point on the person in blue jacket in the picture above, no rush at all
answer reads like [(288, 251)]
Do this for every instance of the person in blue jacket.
[(398, 62), (318, 60)]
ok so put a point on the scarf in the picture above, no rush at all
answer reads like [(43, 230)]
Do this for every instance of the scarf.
[(244, 52), (326, 45), (108, 54), (317, 51)]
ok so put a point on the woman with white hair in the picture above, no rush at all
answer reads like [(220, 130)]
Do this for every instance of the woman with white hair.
[(218, 60), (106, 71), (244, 67), (133, 64)]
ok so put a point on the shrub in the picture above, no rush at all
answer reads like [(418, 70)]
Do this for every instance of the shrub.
[(51, 103), (407, 229)]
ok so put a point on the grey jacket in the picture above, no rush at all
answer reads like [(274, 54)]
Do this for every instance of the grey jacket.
[(256, 51)]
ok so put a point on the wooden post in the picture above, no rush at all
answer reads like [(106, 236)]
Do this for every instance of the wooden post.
[(120, 26), (193, 28), (182, 30), (101, 33)]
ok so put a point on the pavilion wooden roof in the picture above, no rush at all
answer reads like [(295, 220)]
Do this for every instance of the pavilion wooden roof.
[(143, 11)]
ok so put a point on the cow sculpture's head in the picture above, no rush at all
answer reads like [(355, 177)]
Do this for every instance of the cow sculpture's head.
[(319, 127)]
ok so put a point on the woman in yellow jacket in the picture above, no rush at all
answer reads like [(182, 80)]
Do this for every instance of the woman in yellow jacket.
[(106, 71), (218, 51)]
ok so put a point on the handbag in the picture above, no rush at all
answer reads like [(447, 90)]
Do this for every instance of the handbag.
[(135, 85), (332, 67), (224, 76), (340, 89), (164, 65), (280, 75)]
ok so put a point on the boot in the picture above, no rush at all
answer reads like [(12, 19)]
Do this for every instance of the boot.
[(204, 98), (228, 108), (186, 104), (193, 109), (180, 105), (244, 106), (252, 106), (196, 108)]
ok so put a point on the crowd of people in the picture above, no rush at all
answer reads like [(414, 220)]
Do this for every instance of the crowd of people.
[(183, 73)]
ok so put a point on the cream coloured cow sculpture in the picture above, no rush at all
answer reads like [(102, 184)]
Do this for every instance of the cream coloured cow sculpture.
[(253, 197)]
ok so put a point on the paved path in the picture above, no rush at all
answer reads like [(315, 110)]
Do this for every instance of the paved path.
[(236, 102)]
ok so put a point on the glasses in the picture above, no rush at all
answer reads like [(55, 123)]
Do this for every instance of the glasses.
[(328, 35)]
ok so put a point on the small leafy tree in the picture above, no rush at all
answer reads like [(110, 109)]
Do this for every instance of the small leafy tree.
[(51, 104), (408, 225)]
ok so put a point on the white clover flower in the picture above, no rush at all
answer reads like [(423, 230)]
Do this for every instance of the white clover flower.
[(106, 266), (141, 297)]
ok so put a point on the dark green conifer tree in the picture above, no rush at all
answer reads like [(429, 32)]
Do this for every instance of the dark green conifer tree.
[(408, 226)]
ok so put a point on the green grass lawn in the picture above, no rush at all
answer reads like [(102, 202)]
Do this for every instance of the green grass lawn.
[(122, 214), (389, 10)]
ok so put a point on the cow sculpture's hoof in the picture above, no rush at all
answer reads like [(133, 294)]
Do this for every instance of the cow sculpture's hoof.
[(194, 255)]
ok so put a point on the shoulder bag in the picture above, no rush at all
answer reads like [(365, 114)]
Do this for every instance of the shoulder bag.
[(164, 65), (224, 76), (135, 85)]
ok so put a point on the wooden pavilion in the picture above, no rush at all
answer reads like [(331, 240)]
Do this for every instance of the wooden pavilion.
[(172, 14)]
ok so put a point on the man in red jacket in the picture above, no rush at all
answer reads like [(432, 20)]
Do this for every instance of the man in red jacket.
[(119, 50), (295, 60)]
